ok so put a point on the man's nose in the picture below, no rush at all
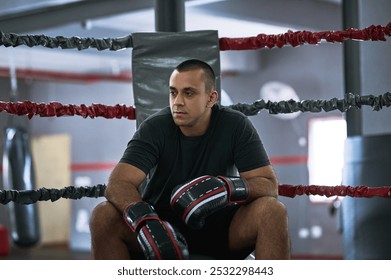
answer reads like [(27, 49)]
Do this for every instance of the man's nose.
[(178, 99)]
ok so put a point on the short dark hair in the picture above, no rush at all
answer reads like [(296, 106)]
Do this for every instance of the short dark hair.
[(209, 74)]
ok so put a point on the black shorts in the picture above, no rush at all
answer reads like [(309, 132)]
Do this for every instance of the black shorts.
[(212, 239)]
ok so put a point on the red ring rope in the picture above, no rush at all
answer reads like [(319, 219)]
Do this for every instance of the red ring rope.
[(374, 33), (358, 191), (56, 109)]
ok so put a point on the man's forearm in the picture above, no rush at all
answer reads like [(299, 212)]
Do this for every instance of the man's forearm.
[(121, 194), (259, 187)]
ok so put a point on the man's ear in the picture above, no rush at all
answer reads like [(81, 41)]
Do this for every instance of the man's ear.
[(213, 97)]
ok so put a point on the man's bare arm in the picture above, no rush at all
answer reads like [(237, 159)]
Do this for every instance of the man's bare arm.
[(262, 181), (122, 188)]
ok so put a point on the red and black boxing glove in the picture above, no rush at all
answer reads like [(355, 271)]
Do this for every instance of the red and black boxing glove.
[(199, 198), (157, 238)]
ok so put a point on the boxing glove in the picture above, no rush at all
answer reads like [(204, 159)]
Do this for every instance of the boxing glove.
[(199, 198), (157, 238)]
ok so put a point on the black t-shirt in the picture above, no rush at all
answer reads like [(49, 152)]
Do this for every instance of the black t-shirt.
[(169, 158)]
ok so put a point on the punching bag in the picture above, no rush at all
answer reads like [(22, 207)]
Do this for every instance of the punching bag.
[(18, 174)]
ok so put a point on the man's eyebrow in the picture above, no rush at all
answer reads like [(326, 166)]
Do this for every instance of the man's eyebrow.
[(186, 88)]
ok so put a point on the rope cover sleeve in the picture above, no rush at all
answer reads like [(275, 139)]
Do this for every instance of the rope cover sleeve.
[(298, 38), (56, 109), (294, 39), (328, 191), (113, 44), (44, 194), (71, 192), (315, 106)]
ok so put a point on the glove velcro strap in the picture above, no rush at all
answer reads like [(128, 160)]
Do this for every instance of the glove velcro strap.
[(138, 212), (237, 189)]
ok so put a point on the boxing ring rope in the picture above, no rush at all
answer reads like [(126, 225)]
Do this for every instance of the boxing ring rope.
[(56, 109), (71, 192), (30, 109), (294, 39)]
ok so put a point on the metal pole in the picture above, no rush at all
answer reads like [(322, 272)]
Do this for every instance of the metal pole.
[(169, 15), (352, 66)]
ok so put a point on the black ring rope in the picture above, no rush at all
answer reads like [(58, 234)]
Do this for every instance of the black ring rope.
[(112, 44), (44, 194), (315, 106)]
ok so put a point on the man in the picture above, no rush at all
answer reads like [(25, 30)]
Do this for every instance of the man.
[(193, 202)]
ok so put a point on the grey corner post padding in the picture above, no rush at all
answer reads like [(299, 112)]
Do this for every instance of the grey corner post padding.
[(155, 55)]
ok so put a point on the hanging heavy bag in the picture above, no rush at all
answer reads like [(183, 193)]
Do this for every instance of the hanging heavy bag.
[(18, 174)]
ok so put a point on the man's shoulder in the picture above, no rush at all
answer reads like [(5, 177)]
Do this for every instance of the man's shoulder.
[(229, 113)]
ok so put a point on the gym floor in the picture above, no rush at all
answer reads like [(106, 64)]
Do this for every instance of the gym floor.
[(63, 252), (46, 252)]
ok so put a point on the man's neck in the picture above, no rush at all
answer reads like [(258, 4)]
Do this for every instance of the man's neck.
[(197, 130)]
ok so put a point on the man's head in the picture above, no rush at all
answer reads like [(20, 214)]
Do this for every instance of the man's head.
[(192, 95), (194, 64)]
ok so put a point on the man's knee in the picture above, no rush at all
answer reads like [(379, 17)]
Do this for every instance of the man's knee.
[(103, 215), (270, 207)]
